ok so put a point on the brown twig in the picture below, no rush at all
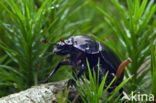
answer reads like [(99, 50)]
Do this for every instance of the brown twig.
[(121, 67)]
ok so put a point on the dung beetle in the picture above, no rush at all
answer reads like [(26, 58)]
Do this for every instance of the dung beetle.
[(81, 47)]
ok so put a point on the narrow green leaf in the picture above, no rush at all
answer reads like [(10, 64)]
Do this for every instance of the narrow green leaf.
[(136, 9), (90, 76), (121, 10), (101, 87), (12, 69), (142, 9), (15, 8), (117, 99), (146, 18), (3, 58), (40, 10), (110, 84), (153, 65), (117, 89)]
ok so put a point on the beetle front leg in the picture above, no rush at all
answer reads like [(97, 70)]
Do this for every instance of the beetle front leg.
[(64, 62)]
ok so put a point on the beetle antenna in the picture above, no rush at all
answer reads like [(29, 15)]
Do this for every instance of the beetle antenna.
[(45, 41), (62, 40)]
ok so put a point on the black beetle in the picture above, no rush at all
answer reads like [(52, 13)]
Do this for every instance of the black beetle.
[(79, 48)]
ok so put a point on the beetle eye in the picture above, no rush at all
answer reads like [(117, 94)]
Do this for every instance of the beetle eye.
[(69, 42)]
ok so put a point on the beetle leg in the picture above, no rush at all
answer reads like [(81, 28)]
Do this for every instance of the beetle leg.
[(76, 76), (64, 62), (79, 62), (70, 82), (80, 72)]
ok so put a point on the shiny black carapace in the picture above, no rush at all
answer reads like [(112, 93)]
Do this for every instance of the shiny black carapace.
[(79, 48)]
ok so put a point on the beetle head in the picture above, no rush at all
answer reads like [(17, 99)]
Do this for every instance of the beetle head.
[(63, 47)]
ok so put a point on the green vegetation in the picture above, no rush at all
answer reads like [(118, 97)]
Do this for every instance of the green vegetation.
[(128, 27), (93, 92), (134, 32), (153, 64), (90, 91)]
